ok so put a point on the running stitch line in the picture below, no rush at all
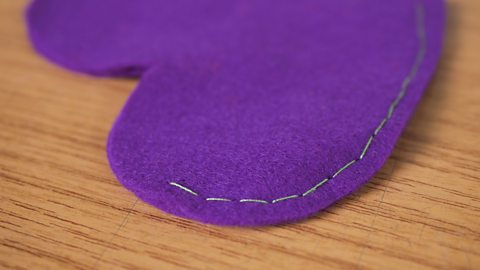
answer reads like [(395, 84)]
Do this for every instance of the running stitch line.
[(391, 109)]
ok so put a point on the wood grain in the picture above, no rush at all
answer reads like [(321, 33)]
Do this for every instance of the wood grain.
[(61, 207)]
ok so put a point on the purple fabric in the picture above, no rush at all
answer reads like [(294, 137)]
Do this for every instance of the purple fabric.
[(251, 112)]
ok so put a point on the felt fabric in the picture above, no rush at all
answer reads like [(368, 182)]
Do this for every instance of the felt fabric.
[(252, 112), (124, 37)]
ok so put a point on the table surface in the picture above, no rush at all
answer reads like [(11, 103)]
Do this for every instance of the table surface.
[(61, 207)]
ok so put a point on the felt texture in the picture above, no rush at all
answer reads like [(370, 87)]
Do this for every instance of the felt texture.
[(124, 37), (250, 112)]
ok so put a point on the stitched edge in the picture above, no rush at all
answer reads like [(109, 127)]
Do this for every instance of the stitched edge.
[(420, 22)]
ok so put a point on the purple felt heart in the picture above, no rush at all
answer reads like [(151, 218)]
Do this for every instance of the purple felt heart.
[(253, 112)]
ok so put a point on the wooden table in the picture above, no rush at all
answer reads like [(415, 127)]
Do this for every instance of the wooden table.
[(62, 208)]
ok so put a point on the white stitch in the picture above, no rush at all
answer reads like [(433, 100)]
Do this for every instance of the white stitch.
[(218, 199), (253, 200), (284, 198), (344, 167), (184, 188), (401, 94), (405, 83), (315, 187), (396, 101), (380, 126), (366, 147), (390, 110)]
